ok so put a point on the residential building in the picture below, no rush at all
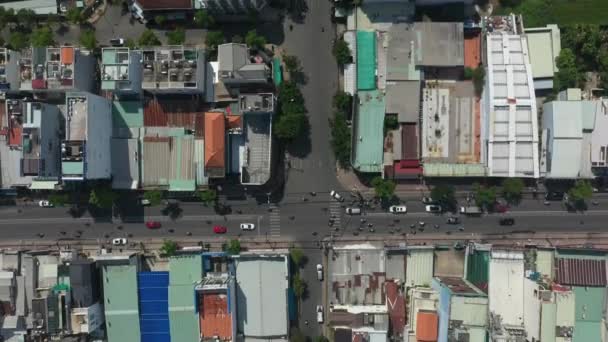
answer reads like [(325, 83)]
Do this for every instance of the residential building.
[(215, 145), (544, 46), (176, 10), (9, 71), (57, 70), (87, 320), (463, 310), (419, 266), (216, 295), (86, 150), (227, 7), (236, 68), (121, 303), (174, 69), (574, 127), (153, 295), (121, 71), (262, 282), (185, 272), (557, 315), (31, 151), (423, 318), (39, 7), (509, 116)]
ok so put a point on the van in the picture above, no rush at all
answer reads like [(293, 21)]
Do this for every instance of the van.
[(353, 211)]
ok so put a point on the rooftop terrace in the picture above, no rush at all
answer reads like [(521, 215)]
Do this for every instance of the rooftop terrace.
[(170, 67)]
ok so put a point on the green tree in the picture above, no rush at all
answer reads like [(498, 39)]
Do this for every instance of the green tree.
[(297, 257), (299, 285), (535, 13), (160, 20), (512, 189), (292, 63), (203, 19), (340, 139), (390, 123), (290, 125), (384, 188), (130, 43), (297, 336), (58, 199), (87, 39), (342, 52), (26, 17), (237, 39), (468, 73), (212, 40), (148, 38), (234, 247), (479, 79), (52, 18), (6, 16), (445, 196), (321, 338), (42, 37), (177, 36), (154, 196), (102, 197), (568, 75), (579, 193), (18, 40), (74, 16), (342, 101), (168, 248), (485, 197), (255, 41), (587, 41), (208, 196)]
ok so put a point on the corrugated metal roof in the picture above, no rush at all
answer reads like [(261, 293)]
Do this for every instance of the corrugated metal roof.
[(184, 272), (547, 322), (155, 167), (589, 313), (121, 303), (366, 60), (426, 326), (419, 267), (175, 113), (368, 132), (165, 4), (581, 272), (182, 158)]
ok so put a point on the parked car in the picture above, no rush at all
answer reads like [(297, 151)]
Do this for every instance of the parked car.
[(336, 196), (320, 313), (319, 272), (433, 208), (554, 196), (153, 224), (353, 211), (144, 202), (501, 208), (508, 221), (247, 226), (471, 210), (45, 204), (119, 241), (398, 209), (220, 229), (427, 200), (117, 42), (453, 220)]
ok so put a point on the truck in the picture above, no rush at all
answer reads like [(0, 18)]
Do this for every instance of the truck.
[(472, 210)]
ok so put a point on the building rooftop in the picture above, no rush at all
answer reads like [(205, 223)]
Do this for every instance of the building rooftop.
[(169, 160), (215, 142), (563, 121), (40, 7), (401, 54), (589, 313), (235, 64), (165, 4), (460, 286), (472, 50), (581, 272), (116, 66), (506, 286), (366, 60), (257, 154), (215, 317), (510, 113), (49, 68), (403, 99), (368, 132), (121, 303), (173, 67), (126, 156), (184, 272), (441, 44), (176, 111), (262, 285), (544, 45)]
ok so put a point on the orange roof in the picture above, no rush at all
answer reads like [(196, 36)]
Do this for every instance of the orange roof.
[(215, 143), (67, 55), (234, 121), (426, 326), (215, 320), (14, 138), (472, 51)]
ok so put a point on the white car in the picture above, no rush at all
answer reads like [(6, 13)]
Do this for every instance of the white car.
[(320, 313), (398, 209), (320, 272), (336, 196), (433, 208), (144, 202), (119, 241), (247, 226), (117, 41), (45, 204)]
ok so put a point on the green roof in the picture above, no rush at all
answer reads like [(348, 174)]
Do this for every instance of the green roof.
[(127, 114), (184, 272), (585, 255), (121, 303), (478, 268), (547, 323), (368, 132), (589, 305), (108, 56), (366, 60), (72, 168), (278, 73)]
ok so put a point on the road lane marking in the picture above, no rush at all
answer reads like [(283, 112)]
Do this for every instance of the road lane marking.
[(275, 221)]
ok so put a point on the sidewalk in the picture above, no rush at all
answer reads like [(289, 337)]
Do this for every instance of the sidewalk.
[(349, 181)]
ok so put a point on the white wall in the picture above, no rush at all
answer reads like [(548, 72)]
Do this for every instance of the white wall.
[(506, 287), (99, 133), (531, 309)]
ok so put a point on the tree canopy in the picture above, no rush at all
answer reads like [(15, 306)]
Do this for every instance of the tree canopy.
[(340, 139), (58, 199), (177, 36), (255, 41), (212, 40), (579, 193), (568, 75), (342, 101), (384, 188), (154, 196), (445, 196), (168, 248), (148, 38), (297, 257), (18, 40), (234, 247), (342, 52), (74, 16), (291, 119), (203, 18), (292, 63), (208, 196), (512, 190), (299, 285), (102, 197), (485, 197), (88, 39), (160, 19), (42, 37)]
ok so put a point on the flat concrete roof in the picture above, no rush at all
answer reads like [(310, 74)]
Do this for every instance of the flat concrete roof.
[(403, 99), (368, 132), (544, 46)]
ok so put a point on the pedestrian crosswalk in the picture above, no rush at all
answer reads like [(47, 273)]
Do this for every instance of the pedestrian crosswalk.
[(275, 220), (335, 213)]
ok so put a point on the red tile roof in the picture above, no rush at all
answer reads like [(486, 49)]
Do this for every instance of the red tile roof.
[(409, 141), (472, 50), (426, 326), (581, 272), (396, 307), (165, 4), (215, 131), (215, 320)]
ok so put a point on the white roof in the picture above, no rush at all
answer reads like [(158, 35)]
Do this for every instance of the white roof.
[(544, 45), (506, 287), (510, 113)]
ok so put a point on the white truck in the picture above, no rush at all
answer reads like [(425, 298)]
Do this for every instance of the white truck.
[(472, 210)]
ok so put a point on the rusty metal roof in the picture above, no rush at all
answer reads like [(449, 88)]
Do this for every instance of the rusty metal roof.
[(581, 272)]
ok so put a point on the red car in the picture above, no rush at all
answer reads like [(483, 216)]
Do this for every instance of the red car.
[(153, 224), (501, 208), (220, 229)]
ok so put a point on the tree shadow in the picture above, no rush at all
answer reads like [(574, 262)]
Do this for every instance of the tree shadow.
[(299, 77), (301, 146), (76, 211), (173, 210), (297, 10), (222, 208)]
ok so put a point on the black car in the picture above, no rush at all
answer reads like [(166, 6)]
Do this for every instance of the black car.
[(554, 196), (453, 220), (507, 221)]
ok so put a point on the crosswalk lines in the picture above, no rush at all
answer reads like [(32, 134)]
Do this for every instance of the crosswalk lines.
[(275, 221), (335, 212)]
